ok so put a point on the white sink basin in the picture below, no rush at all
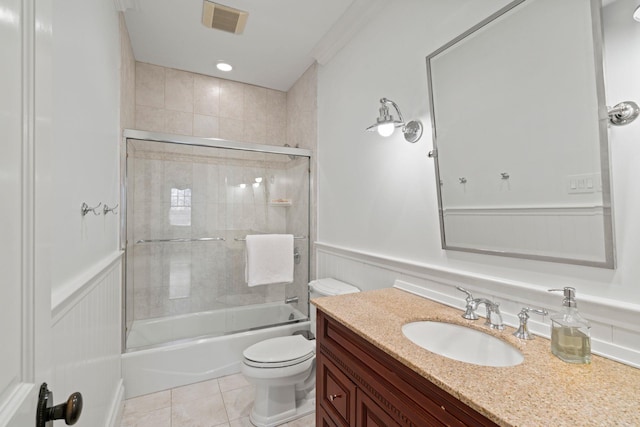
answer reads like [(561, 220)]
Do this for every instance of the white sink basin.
[(462, 343)]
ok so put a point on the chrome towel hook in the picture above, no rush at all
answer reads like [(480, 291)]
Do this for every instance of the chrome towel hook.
[(85, 209), (107, 209)]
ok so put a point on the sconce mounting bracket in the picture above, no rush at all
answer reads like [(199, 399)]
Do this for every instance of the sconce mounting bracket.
[(412, 131), (623, 113)]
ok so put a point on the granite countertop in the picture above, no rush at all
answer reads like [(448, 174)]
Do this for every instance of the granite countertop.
[(541, 391)]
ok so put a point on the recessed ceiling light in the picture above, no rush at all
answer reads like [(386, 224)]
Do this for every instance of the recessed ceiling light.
[(223, 66)]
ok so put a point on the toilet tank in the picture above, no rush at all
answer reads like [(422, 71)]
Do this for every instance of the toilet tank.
[(324, 288)]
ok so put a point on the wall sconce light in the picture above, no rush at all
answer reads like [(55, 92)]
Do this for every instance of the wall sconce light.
[(636, 14), (386, 124)]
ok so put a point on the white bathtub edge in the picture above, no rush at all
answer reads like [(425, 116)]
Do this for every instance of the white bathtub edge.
[(152, 370)]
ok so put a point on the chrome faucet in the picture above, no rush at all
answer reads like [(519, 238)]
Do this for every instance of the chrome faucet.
[(494, 318), (291, 300)]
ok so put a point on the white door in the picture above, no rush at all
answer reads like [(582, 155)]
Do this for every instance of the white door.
[(25, 307)]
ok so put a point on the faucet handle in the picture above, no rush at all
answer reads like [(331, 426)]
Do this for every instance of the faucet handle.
[(469, 313), (461, 289), (541, 312), (523, 331)]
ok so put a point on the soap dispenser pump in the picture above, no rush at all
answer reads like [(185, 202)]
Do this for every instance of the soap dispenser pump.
[(570, 337)]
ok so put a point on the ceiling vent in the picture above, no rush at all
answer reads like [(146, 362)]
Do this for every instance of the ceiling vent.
[(223, 18)]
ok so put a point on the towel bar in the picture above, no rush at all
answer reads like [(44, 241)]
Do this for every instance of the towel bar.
[(243, 239), (201, 239)]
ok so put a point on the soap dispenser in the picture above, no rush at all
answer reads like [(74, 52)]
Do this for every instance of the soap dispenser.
[(570, 339)]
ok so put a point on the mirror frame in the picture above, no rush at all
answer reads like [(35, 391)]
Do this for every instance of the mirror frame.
[(598, 46)]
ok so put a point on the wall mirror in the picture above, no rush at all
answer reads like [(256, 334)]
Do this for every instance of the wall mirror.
[(520, 135)]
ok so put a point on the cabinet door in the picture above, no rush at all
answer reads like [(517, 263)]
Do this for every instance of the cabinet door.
[(336, 392), (323, 419), (369, 414)]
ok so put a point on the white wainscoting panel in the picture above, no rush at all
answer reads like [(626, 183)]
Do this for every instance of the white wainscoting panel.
[(87, 346), (614, 330)]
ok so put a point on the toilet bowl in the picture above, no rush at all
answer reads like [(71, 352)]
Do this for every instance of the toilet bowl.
[(283, 369)]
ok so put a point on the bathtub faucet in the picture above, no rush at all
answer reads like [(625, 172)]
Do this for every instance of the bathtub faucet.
[(290, 300)]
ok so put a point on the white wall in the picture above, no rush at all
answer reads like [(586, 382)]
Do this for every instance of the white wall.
[(82, 165), (379, 195), (86, 113)]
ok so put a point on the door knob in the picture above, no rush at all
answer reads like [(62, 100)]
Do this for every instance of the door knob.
[(68, 411)]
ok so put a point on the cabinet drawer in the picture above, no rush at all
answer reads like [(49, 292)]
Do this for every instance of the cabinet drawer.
[(336, 392)]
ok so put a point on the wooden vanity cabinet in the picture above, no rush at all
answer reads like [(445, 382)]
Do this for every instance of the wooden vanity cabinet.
[(360, 385)]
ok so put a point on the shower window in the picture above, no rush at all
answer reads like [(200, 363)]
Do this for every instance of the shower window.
[(180, 211), (189, 210)]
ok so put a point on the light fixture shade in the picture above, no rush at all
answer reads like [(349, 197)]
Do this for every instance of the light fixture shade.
[(385, 129), (385, 123), (636, 14)]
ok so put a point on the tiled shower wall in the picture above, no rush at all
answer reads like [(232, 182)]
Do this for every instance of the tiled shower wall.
[(180, 102), (302, 130), (185, 103), (224, 201)]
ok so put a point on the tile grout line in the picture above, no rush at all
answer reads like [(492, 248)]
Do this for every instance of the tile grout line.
[(224, 403)]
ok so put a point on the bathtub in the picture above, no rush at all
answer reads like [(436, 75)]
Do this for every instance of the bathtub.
[(198, 348)]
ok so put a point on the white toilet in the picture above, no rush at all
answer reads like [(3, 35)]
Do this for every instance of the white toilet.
[(283, 369)]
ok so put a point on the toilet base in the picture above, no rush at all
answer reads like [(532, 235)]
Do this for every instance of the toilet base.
[(304, 406), (282, 394)]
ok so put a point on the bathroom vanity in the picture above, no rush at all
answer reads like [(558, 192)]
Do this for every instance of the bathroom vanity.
[(360, 385), (370, 374)]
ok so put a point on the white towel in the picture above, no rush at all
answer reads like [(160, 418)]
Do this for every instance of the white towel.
[(269, 259)]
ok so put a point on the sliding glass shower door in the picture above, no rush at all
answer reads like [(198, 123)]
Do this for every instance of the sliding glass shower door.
[(189, 209)]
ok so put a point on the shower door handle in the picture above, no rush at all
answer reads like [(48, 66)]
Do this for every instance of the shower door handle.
[(69, 411)]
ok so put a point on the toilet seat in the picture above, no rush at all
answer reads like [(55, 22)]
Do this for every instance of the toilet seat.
[(279, 352)]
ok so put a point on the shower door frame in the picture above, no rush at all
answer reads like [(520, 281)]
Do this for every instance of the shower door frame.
[(141, 135)]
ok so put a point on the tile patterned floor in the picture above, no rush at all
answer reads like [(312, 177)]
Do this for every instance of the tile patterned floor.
[(223, 402)]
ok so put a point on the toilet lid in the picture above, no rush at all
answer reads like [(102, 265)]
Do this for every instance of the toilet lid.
[(291, 349)]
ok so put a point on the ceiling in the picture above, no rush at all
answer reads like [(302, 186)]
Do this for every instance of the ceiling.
[(281, 40)]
